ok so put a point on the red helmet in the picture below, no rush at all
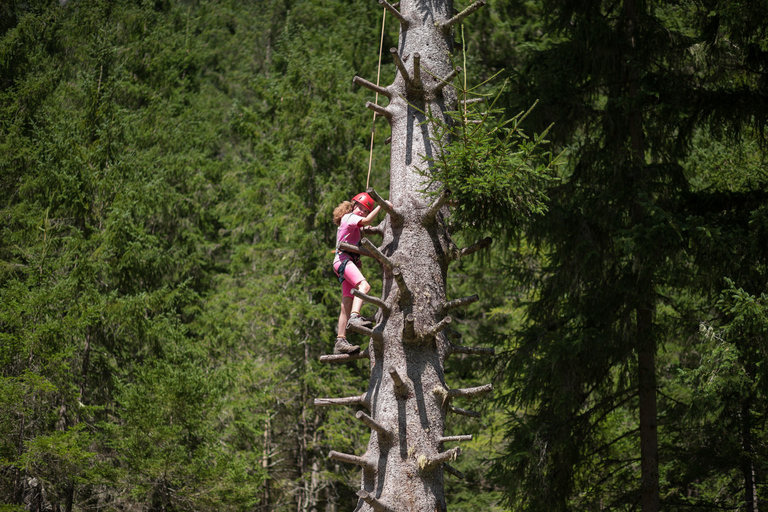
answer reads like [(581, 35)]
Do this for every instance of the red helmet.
[(364, 200)]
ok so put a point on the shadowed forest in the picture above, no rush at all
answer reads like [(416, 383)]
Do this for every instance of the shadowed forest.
[(168, 172)]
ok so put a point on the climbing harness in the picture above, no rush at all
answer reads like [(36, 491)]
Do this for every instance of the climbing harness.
[(351, 256), (376, 100)]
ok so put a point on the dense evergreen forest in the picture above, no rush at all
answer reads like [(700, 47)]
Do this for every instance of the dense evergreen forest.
[(168, 172)]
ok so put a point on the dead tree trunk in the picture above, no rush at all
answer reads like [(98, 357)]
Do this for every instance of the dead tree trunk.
[(408, 398)]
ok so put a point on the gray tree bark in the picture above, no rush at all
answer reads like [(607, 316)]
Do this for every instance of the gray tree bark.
[(407, 398)]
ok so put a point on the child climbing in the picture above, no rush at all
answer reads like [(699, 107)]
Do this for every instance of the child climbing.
[(350, 216)]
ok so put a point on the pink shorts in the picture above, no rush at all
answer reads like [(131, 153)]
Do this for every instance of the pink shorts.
[(352, 278)]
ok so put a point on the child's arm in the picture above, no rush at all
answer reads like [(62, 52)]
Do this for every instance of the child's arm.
[(369, 218)]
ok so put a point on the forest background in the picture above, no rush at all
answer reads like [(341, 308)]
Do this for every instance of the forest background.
[(168, 171)]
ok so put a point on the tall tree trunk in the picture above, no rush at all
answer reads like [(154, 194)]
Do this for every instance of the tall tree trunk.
[(646, 341), (649, 459), (307, 495), (747, 465), (265, 463), (407, 396)]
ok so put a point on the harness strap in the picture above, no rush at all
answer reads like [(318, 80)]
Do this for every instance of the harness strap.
[(340, 271)]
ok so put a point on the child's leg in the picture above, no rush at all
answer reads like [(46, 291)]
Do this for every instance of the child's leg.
[(357, 303), (346, 309), (353, 278)]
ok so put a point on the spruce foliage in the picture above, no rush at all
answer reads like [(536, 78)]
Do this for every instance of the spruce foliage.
[(168, 171)]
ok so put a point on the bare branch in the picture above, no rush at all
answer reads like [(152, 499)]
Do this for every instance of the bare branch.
[(452, 470), (401, 388), (470, 101), (378, 229), (372, 424), (344, 246), (435, 207), (464, 412), (383, 112), (372, 86), (430, 463), (399, 64), (461, 349), (469, 392), (394, 12), (447, 80), (467, 437), (351, 459), (344, 358), (480, 244), (458, 303), (442, 324), (405, 293), (373, 300), (463, 14), (417, 70), (376, 254), (394, 214), (375, 504), (410, 330), (365, 331), (347, 400)]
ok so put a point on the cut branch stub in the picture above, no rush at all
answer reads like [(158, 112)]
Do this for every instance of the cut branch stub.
[(370, 85), (378, 229), (383, 112), (430, 463), (373, 424), (374, 251), (347, 400), (417, 70), (435, 208), (375, 504), (405, 293), (463, 14), (464, 412), (399, 64), (371, 333), (363, 462), (458, 303), (344, 246), (446, 439), (371, 299), (453, 471), (431, 333), (461, 349), (395, 12), (387, 207), (480, 244), (447, 80), (401, 388), (344, 358), (410, 330), (469, 392)]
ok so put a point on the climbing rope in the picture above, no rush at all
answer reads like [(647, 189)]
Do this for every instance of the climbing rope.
[(376, 100)]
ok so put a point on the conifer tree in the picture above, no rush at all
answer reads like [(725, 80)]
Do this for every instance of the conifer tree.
[(408, 398), (626, 84)]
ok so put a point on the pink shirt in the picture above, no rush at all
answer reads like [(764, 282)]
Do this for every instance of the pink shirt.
[(349, 232)]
